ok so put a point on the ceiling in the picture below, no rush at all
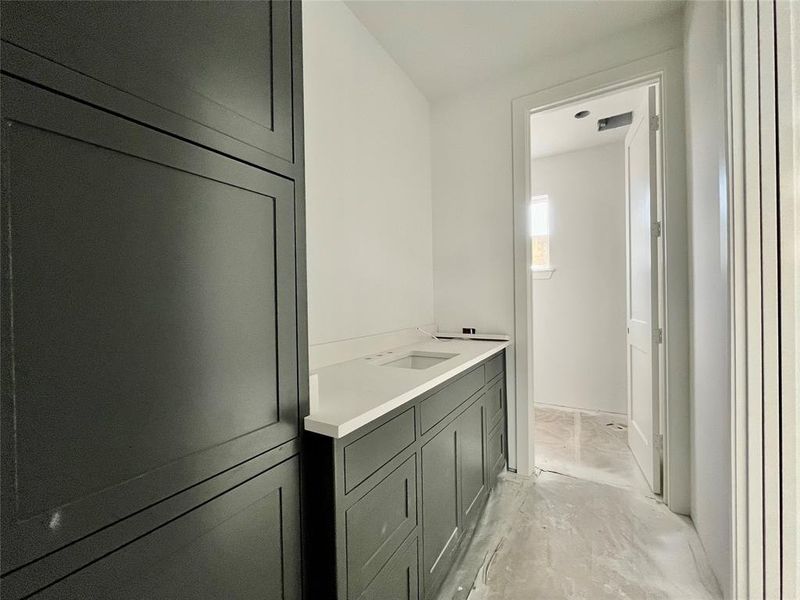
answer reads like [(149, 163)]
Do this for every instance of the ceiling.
[(556, 131), (446, 46)]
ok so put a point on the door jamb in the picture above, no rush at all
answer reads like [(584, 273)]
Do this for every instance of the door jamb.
[(667, 69)]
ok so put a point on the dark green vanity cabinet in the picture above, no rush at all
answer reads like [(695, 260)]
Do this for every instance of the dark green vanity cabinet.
[(389, 504), (152, 306)]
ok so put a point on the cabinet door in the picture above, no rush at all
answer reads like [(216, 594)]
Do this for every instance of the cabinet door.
[(398, 580), (496, 452), (441, 509), (377, 524), (472, 459), (243, 544), (216, 73), (153, 291)]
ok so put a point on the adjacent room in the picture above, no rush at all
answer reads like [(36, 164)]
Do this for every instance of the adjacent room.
[(579, 267)]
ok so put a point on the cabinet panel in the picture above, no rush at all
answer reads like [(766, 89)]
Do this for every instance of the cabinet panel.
[(153, 290), (494, 366), (472, 460), (378, 523), (367, 454), (242, 544), (496, 405), (399, 578), (446, 400), (216, 73), (496, 450), (441, 523)]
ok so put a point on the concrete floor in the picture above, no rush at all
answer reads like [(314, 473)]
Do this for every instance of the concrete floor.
[(590, 446), (583, 528)]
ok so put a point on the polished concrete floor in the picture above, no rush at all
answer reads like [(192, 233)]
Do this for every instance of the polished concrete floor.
[(584, 527), (590, 446)]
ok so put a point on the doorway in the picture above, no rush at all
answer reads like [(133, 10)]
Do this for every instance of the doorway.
[(596, 294), (670, 418)]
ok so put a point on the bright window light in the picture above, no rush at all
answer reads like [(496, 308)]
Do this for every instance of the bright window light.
[(540, 233)]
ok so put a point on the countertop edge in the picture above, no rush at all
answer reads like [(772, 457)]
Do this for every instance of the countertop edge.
[(342, 429)]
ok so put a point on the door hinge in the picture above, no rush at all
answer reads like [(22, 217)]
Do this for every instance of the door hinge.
[(658, 334), (655, 229), (655, 122), (659, 443)]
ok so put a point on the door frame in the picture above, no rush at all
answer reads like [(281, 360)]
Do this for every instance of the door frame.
[(665, 69)]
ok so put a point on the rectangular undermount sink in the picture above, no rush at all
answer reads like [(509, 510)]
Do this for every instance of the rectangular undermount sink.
[(419, 360)]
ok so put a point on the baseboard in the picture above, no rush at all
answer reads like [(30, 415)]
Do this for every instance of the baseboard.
[(617, 416)]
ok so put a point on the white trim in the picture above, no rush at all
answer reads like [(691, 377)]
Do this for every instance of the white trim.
[(542, 272), (667, 69), (764, 158), (620, 417), (787, 56), (738, 286)]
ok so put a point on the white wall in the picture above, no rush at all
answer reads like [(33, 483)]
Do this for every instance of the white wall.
[(579, 313), (472, 185), (710, 341), (368, 183)]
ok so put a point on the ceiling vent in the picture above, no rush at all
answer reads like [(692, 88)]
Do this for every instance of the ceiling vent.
[(616, 121)]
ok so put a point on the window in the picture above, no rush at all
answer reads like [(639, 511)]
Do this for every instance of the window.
[(540, 234)]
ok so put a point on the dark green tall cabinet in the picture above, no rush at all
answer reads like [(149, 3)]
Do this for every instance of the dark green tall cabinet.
[(154, 375)]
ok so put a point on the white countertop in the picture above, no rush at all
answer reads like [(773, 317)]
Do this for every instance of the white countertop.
[(356, 392)]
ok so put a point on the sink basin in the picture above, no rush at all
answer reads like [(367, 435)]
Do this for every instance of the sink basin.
[(419, 360)]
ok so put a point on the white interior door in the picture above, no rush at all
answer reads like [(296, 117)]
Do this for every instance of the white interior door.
[(642, 231)]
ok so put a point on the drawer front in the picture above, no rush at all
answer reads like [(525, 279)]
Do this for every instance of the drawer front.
[(496, 451), (369, 453), (242, 544), (378, 523), (399, 579), (445, 401), (495, 404), (494, 367)]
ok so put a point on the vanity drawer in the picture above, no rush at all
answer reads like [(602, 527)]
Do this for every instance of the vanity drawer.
[(495, 404), (369, 453), (378, 523), (494, 366), (445, 401)]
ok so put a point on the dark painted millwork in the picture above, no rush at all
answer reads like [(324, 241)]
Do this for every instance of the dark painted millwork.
[(369, 453), (494, 367), (496, 451), (403, 485), (152, 309), (442, 403), (472, 458), (399, 578), (377, 524), (441, 513), (495, 403), (217, 73), (243, 544)]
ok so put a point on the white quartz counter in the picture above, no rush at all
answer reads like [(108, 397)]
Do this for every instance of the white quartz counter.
[(356, 392)]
